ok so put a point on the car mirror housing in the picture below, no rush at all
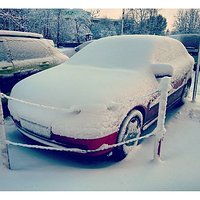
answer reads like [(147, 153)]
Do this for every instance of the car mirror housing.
[(161, 70)]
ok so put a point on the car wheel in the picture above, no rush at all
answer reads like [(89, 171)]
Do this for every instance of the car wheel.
[(131, 128)]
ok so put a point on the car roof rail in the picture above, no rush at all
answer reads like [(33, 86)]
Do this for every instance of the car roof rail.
[(20, 34)]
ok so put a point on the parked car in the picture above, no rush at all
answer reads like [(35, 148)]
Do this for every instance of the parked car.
[(71, 51), (105, 94), (191, 43), (23, 54)]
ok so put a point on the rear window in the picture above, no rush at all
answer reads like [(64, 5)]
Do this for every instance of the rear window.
[(27, 49)]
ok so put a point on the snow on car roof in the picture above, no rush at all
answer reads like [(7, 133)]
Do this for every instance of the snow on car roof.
[(108, 52), (20, 34)]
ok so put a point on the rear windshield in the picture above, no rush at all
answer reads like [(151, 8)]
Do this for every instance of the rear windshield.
[(27, 49)]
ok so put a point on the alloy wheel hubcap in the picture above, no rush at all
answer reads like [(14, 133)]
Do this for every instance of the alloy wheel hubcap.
[(133, 131)]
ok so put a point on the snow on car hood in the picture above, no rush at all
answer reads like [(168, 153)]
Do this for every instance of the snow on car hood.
[(90, 96)]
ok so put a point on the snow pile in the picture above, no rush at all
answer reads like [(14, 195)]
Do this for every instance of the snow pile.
[(191, 111)]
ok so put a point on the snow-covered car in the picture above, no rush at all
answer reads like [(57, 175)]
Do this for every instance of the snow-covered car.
[(104, 95), (23, 54), (71, 51)]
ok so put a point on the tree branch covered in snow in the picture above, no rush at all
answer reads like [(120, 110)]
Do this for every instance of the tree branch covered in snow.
[(187, 21), (72, 25), (144, 21)]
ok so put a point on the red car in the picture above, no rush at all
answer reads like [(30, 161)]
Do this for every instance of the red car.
[(101, 95)]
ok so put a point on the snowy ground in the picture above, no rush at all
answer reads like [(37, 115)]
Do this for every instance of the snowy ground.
[(43, 170)]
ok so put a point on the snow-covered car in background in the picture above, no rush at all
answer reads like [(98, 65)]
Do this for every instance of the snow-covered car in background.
[(23, 54), (71, 51), (105, 94)]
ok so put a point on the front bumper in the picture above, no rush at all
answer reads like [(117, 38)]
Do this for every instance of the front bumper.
[(70, 143)]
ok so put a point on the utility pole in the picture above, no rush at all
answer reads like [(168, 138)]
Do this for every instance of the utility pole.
[(122, 22)]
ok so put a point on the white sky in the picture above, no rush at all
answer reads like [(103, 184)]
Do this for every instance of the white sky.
[(168, 6)]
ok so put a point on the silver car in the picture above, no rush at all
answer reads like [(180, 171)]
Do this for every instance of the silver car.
[(23, 54)]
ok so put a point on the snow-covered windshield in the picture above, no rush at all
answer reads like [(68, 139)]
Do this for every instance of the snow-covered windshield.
[(126, 52)]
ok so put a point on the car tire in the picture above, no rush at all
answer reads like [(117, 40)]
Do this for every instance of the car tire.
[(130, 128)]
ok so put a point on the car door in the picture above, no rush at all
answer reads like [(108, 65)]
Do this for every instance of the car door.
[(160, 55), (6, 65), (29, 56), (181, 72)]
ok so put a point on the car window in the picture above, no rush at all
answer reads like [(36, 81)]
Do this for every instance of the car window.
[(27, 49), (3, 53)]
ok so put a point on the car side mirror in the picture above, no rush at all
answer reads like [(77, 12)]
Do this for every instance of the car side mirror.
[(161, 70)]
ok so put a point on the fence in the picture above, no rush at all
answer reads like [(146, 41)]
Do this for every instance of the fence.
[(158, 132)]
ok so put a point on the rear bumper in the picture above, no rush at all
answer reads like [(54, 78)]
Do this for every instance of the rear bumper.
[(72, 143)]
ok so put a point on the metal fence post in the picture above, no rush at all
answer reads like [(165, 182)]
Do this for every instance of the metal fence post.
[(160, 129), (196, 76), (122, 21), (3, 145)]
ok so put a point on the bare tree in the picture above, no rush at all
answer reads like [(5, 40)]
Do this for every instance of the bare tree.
[(13, 19), (187, 21), (144, 21)]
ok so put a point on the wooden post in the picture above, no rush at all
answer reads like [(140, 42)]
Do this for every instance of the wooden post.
[(3, 145), (160, 129)]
